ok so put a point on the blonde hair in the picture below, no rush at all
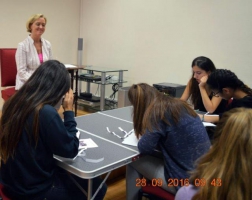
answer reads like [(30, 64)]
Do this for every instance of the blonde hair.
[(32, 19), (229, 160)]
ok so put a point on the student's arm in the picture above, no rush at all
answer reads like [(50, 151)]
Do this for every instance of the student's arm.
[(60, 136), (148, 142), (186, 94), (210, 118), (210, 105)]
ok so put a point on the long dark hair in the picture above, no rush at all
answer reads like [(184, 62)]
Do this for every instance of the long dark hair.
[(205, 64), (223, 78), (47, 85), (151, 106)]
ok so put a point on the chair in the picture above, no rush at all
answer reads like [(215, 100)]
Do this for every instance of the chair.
[(2, 195), (229, 102), (8, 71), (154, 193)]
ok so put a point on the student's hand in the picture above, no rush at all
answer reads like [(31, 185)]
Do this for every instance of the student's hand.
[(68, 101), (203, 81)]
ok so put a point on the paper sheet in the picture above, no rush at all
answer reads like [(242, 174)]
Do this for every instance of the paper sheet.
[(70, 66), (87, 143), (131, 140), (208, 124), (83, 145), (78, 134)]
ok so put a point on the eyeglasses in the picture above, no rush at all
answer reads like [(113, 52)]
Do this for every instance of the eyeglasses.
[(216, 94), (125, 133)]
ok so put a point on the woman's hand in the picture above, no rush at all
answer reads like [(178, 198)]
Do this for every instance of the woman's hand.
[(203, 81), (68, 101)]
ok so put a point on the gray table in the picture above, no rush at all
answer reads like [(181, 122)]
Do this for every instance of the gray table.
[(110, 147)]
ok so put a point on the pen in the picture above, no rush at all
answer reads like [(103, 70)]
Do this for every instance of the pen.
[(117, 135), (126, 134), (130, 132), (207, 113), (113, 133)]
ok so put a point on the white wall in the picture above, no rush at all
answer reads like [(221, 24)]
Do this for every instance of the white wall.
[(156, 40), (62, 28)]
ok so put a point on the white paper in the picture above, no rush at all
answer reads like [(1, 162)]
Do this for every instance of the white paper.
[(78, 134), (208, 124), (131, 140), (87, 143), (70, 66)]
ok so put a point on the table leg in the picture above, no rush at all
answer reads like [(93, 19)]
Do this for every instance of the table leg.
[(103, 182), (120, 78), (102, 98), (88, 83), (76, 91), (90, 182), (78, 185), (72, 77)]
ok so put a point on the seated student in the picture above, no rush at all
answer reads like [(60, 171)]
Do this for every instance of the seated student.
[(225, 84), (225, 171), (32, 132), (170, 125), (196, 89)]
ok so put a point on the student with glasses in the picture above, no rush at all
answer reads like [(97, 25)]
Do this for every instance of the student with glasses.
[(197, 90), (225, 171), (171, 126), (225, 84)]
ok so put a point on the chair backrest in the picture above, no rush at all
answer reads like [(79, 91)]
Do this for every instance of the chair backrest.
[(8, 66), (2, 194)]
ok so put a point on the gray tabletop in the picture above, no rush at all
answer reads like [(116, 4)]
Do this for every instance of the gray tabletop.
[(110, 147), (124, 113)]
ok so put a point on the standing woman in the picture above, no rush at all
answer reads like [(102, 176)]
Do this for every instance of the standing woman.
[(170, 126), (197, 90), (32, 132), (33, 51)]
